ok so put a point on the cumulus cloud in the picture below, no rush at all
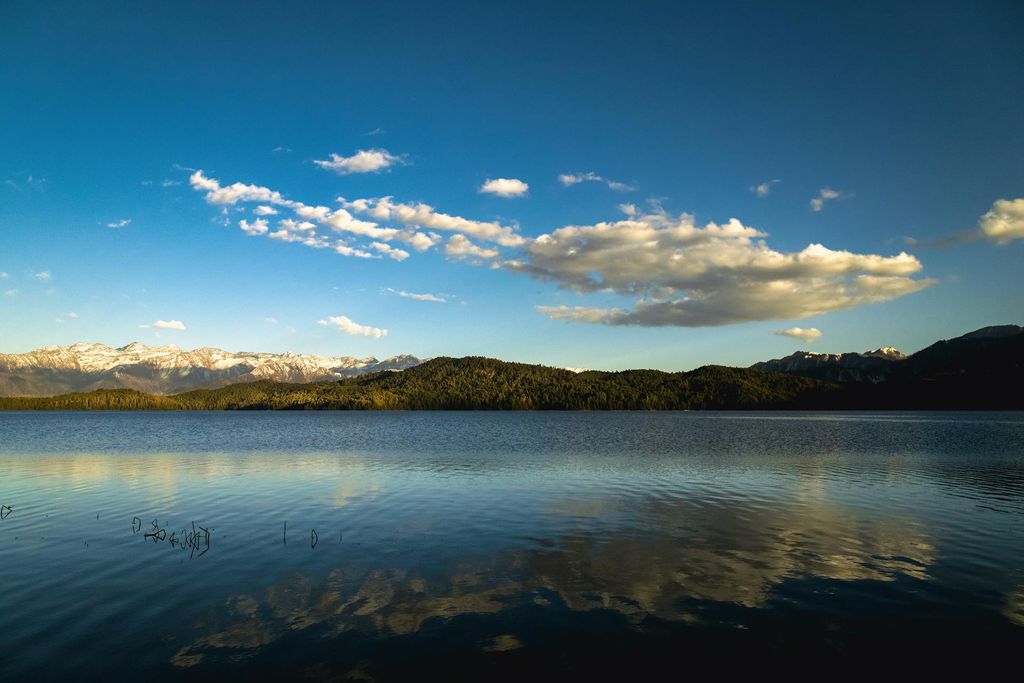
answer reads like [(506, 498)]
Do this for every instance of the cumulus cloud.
[(460, 247), (1001, 224), (354, 329), (234, 193), (314, 225), (257, 227), (119, 224), (764, 189), (569, 179), (687, 275), (389, 251), (417, 297), (346, 250), (825, 194), (424, 216), (290, 230), (505, 187), (420, 241), (363, 161), (805, 334), (342, 221), (1004, 221), (42, 276), (167, 325)]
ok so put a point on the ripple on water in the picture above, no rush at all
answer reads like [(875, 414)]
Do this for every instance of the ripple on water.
[(493, 529)]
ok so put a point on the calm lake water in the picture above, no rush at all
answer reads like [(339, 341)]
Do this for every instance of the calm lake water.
[(387, 546)]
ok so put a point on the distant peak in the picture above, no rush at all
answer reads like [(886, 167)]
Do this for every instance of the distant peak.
[(887, 352)]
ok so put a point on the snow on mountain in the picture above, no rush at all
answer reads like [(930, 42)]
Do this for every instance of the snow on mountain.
[(168, 369), (868, 366)]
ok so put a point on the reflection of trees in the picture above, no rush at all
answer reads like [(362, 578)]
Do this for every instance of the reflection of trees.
[(705, 550)]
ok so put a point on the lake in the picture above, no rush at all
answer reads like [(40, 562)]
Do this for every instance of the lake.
[(385, 546)]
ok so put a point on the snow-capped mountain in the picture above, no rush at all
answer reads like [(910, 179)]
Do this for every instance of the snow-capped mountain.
[(168, 369), (842, 367)]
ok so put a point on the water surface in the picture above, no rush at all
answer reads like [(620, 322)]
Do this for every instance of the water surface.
[(379, 546)]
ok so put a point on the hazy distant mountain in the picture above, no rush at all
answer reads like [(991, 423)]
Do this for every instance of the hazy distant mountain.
[(168, 369), (870, 366)]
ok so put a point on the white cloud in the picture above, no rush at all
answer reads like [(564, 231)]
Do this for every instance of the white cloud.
[(169, 325), (460, 247), (346, 250), (420, 241), (806, 334), (342, 221), (569, 179), (581, 314), (119, 224), (764, 189), (417, 297), (316, 213), (691, 276), (295, 226), (424, 216), (291, 230), (825, 194), (1004, 221), (43, 276), (505, 187), (72, 315), (232, 194), (257, 227), (418, 221), (389, 251), (170, 183), (363, 161), (352, 328), (305, 238), (270, 321), (4, 276), (11, 292)]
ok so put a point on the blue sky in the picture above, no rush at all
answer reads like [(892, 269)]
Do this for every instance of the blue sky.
[(902, 118)]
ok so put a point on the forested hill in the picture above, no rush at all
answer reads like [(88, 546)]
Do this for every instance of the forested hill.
[(962, 381), (480, 384)]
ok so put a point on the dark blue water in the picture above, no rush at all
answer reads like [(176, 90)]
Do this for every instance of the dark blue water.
[(381, 546)]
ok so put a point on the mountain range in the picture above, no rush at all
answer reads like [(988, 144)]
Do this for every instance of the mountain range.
[(983, 369), (870, 366), (168, 369)]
